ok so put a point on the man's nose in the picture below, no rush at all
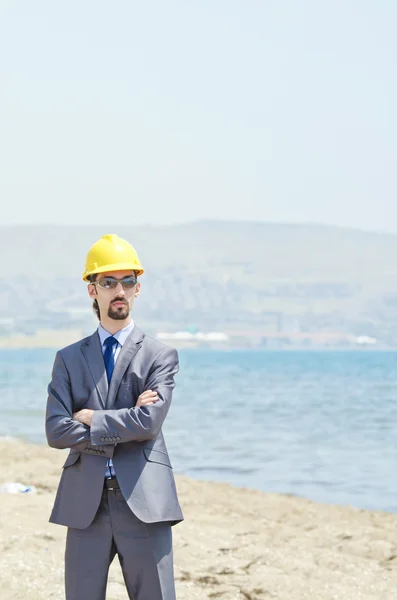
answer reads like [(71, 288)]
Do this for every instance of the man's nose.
[(119, 291)]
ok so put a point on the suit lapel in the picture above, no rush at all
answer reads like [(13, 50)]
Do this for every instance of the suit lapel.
[(93, 355), (130, 347)]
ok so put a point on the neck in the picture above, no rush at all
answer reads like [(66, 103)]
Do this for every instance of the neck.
[(113, 326)]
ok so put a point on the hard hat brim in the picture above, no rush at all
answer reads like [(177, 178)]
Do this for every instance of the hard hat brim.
[(114, 267)]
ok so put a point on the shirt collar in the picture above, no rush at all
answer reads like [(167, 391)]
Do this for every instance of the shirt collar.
[(120, 336)]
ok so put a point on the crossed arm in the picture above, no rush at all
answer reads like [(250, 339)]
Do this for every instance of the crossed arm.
[(97, 431)]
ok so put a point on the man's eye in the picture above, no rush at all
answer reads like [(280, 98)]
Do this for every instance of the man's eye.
[(106, 283), (128, 282)]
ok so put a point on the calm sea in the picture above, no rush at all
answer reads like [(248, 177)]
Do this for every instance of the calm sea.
[(317, 424)]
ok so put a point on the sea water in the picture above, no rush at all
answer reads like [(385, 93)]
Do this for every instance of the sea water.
[(316, 424)]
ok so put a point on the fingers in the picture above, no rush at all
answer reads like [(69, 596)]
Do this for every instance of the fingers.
[(147, 398), (148, 393), (145, 402)]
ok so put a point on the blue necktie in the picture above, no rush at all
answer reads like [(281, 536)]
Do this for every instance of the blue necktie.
[(108, 355)]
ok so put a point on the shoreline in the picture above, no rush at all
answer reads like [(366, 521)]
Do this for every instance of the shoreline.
[(235, 543), (178, 474)]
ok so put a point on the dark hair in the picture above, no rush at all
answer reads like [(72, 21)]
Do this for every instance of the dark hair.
[(95, 305)]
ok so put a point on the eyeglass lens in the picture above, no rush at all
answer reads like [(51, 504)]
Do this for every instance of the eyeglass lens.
[(112, 282)]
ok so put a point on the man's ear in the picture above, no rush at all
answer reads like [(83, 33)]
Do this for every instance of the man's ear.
[(91, 290), (137, 290)]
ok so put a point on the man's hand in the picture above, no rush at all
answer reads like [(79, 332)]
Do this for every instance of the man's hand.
[(83, 416), (147, 398)]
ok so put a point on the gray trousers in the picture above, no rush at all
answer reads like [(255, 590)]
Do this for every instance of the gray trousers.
[(144, 551)]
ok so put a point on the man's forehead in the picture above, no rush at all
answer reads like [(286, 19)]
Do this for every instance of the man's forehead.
[(117, 274)]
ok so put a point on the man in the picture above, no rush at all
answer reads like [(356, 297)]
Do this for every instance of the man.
[(107, 401)]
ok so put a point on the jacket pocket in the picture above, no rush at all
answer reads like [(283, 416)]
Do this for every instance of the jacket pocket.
[(71, 459), (157, 456)]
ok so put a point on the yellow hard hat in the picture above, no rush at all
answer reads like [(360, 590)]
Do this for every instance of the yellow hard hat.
[(111, 253)]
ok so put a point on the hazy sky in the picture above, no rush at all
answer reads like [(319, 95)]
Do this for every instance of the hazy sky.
[(163, 111)]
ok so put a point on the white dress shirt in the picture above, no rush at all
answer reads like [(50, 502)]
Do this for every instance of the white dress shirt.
[(120, 336)]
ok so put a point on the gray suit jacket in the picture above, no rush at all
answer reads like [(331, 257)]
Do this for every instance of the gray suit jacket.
[(131, 436)]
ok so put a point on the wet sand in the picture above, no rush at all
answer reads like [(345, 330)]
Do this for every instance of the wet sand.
[(235, 543)]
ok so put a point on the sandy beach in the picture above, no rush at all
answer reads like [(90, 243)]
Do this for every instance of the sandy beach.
[(235, 543)]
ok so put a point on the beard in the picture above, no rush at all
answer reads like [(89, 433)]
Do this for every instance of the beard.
[(118, 314)]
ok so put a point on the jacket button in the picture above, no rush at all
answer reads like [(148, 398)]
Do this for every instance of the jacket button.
[(102, 439), (118, 438)]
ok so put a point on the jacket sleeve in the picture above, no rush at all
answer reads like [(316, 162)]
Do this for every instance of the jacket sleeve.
[(62, 430), (142, 423)]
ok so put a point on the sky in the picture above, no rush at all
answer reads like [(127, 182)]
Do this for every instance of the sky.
[(170, 111)]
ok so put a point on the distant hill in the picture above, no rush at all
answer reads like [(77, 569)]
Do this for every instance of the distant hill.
[(219, 273), (279, 250)]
